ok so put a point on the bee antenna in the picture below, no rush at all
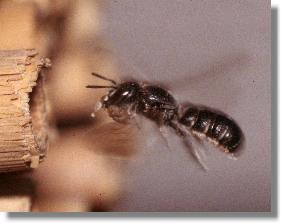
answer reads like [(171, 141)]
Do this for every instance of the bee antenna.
[(104, 78), (100, 87)]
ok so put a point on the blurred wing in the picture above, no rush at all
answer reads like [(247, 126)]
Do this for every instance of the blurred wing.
[(115, 138), (212, 80)]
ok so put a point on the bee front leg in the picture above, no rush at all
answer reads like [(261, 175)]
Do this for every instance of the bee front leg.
[(97, 107), (132, 113)]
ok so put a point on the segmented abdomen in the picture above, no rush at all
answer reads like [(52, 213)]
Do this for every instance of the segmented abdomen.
[(217, 127)]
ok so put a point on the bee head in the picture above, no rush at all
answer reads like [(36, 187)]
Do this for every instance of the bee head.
[(124, 94)]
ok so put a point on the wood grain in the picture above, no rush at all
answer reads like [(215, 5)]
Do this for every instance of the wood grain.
[(23, 135)]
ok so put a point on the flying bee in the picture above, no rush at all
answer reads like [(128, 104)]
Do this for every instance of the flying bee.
[(127, 99)]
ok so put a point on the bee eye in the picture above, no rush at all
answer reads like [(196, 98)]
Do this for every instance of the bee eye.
[(125, 93)]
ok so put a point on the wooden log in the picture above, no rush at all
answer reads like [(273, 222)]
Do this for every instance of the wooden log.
[(23, 134)]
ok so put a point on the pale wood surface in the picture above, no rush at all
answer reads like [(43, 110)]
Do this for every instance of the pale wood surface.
[(22, 119), (15, 204)]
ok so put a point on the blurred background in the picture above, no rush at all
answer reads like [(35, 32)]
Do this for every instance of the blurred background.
[(215, 53)]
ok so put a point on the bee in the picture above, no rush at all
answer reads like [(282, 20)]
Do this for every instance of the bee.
[(127, 99)]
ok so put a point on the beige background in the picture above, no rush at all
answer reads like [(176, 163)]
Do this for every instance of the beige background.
[(215, 53)]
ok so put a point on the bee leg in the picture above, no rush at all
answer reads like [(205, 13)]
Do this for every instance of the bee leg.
[(186, 138), (199, 141), (194, 153), (132, 112), (97, 107), (137, 122), (164, 134)]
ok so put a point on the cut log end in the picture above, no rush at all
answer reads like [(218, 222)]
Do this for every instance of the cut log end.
[(23, 123)]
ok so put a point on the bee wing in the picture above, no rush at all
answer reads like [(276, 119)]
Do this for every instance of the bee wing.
[(211, 81), (115, 138)]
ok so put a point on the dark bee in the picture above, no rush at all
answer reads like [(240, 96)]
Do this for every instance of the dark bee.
[(127, 99)]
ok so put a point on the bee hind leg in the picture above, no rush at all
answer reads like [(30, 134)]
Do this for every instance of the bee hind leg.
[(187, 141), (194, 153)]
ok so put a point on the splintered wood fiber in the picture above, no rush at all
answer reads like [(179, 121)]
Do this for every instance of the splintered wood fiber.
[(22, 117)]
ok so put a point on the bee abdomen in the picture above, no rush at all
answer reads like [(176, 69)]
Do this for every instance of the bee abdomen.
[(216, 127), (232, 137), (204, 122)]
